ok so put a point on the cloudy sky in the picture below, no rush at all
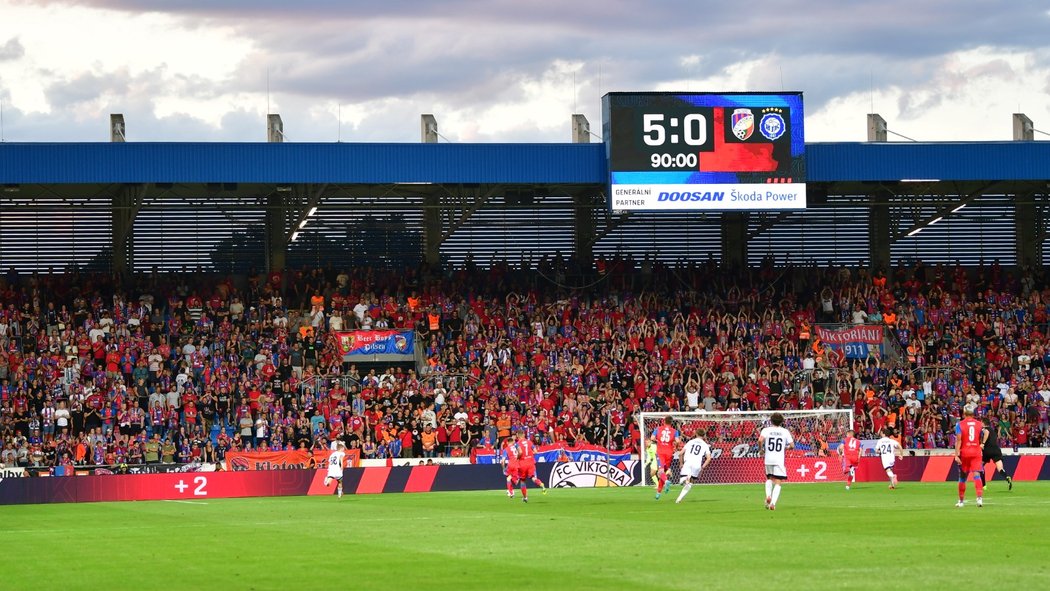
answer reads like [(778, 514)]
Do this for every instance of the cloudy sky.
[(508, 70)]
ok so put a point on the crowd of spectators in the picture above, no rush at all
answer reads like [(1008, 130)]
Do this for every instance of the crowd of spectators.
[(180, 367)]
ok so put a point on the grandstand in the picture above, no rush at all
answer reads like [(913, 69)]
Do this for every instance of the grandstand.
[(550, 312)]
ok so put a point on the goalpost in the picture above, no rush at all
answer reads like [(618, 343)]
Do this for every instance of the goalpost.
[(733, 437)]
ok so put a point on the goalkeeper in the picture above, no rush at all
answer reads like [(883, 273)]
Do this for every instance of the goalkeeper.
[(650, 459)]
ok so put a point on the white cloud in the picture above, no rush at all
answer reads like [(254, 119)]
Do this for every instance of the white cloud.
[(197, 69)]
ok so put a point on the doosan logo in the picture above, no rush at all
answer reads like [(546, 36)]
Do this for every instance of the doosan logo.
[(687, 196)]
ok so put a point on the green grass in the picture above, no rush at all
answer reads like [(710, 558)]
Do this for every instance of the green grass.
[(720, 538)]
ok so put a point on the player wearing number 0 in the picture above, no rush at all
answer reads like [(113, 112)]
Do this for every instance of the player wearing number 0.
[(335, 468), (775, 440), (527, 466), (849, 449), (696, 455), (665, 436), (968, 455)]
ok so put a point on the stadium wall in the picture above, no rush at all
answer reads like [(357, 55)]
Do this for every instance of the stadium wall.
[(200, 486)]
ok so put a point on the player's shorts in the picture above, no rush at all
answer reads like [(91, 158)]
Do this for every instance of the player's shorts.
[(848, 463), (526, 470), (512, 470), (994, 454), (776, 471), (664, 460), (888, 465), (970, 464), (328, 479), (691, 469)]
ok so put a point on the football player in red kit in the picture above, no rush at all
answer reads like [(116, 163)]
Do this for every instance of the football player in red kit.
[(968, 454), (665, 436), (849, 449), (510, 464), (527, 466)]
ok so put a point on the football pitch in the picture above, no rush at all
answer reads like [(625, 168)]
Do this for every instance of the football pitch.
[(720, 537)]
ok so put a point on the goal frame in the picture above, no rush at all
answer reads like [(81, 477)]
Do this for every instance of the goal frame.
[(686, 416)]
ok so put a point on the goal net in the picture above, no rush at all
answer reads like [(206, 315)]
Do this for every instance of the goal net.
[(736, 456)]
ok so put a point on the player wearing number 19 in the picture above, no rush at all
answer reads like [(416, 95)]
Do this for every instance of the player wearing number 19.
[(665, 436), (968, 455), (696, 455), (775, 440)]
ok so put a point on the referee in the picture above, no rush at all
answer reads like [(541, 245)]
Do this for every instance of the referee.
[(991, 453)]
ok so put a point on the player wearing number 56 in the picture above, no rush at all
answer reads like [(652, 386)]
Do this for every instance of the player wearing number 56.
[(775, 440)]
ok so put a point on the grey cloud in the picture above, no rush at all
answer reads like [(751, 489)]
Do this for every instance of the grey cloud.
[(415, 56), (12, 50)]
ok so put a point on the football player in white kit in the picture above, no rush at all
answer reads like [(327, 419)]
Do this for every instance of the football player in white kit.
[(889, 450), (695, 456), (774, 441), (335, 467)]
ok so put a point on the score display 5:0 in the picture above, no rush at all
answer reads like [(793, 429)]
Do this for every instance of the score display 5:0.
[(694, 129), (681, 160)]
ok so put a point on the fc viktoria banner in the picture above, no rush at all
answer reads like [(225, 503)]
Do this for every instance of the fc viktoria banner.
[(560, 453), (594, 474), (376, 342)]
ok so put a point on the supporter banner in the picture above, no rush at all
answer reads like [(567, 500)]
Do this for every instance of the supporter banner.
[(854, 343), (594, 474), (559, 453), (871, 335), (239, 461), (353, 458), (376, 342)]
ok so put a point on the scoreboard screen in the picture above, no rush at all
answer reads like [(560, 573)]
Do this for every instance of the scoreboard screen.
[(671, 151)]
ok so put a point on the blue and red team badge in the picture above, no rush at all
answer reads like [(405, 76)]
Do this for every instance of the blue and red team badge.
[(743, 121)]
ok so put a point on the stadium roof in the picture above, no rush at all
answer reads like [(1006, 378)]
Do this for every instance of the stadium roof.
[(355, 163)]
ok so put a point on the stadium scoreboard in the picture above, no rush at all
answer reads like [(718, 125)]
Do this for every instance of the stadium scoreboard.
[(669, 151)]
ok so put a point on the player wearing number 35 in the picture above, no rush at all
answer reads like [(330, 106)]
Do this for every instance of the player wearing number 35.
[(775, 440)]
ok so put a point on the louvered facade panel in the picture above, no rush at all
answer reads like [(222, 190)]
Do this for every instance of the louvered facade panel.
[(177, 233), (346, 235), (984, 231), (41, 233), (501, 232), (821, 235), (666, 236)]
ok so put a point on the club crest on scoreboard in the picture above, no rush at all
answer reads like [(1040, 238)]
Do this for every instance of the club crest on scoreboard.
[(743, 122), (772, 126), (593, 474)]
